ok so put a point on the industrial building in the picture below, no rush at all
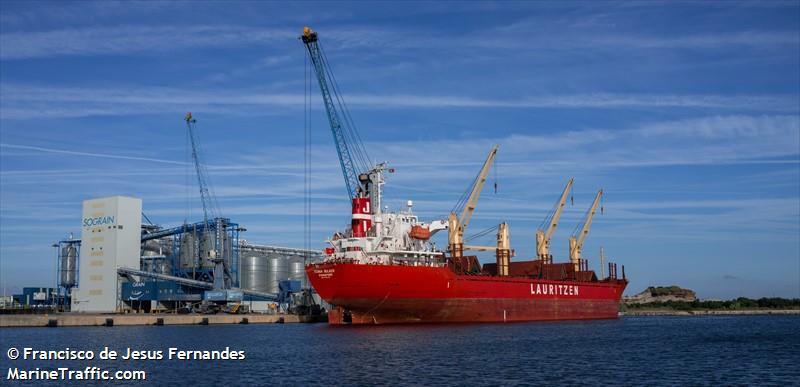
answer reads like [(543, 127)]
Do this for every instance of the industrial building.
[(110, 229), (34, 297), (121, 265)]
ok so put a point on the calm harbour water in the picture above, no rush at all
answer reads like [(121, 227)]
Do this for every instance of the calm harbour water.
[(729, 350)]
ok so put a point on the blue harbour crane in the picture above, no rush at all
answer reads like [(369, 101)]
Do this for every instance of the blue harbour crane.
[(353, 158), (212, 222), (202, 174)]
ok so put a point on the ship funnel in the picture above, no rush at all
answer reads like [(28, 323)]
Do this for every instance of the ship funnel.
[(362, 217)]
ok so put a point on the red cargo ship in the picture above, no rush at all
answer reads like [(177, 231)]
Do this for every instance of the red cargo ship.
[(384, 268), (384, 294)]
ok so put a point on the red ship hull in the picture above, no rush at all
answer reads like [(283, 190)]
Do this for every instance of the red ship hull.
[(390, 294)]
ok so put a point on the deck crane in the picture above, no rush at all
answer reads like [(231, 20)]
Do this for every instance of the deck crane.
[(576, 240), (543, 236), (457, 224)]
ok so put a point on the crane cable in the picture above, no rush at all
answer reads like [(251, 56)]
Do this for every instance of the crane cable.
[(462, 200), (355, 145), (481, 233), (213, 204), (549, 217), (306, 156), (580, 225), (355, 138), (496, 167), (188, 213), (550, 214)]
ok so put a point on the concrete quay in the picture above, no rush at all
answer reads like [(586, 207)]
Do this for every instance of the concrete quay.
[(89, 319)]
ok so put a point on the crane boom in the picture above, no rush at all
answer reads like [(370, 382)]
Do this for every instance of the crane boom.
[(456, 225), (202, 179), (587, 223), (543, 236), (472, 202), (576, 241), (350, 167)]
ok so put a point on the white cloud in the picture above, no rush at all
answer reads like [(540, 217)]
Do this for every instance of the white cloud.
[(89, 154), (137, 39), (131, 39), (26, 101), (714, 140)]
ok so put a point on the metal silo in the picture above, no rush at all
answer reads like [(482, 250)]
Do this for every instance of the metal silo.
[(154, 255), (69, 266), (225, 249), (188, 252), (277, 271), (297, 271), (253, 271), (208, 243), (162, 265), (151, 248)]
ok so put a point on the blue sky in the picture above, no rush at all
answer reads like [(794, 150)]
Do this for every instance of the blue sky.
[(687, 114)]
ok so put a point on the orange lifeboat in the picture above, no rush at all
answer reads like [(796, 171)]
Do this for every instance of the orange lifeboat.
[(419, 232)]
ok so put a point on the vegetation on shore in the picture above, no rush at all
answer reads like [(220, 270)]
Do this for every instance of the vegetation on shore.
[(741, 303), (660, 291)]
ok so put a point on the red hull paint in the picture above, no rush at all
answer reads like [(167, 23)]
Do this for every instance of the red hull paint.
[(381, 294)]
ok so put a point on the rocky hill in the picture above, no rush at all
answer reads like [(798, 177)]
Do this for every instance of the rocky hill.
[(661, 294)]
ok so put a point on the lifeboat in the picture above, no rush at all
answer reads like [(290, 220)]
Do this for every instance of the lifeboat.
[(419, 232)]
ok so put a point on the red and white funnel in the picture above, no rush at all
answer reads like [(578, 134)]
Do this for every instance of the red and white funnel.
[(362, 217)]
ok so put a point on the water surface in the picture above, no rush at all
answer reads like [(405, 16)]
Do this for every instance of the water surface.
[(727, 350)]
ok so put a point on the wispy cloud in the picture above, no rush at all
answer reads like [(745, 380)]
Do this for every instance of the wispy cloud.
[(712, 140), (25, 101), (594, 39), (719, 140), (137, 39), (131, 39), (249, 69), (748, 38), (89, 154)]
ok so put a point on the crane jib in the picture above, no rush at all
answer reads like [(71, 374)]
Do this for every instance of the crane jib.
[(342, 147), (202, 178)]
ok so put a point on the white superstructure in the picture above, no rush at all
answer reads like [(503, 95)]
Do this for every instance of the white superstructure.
[(376, 236)]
